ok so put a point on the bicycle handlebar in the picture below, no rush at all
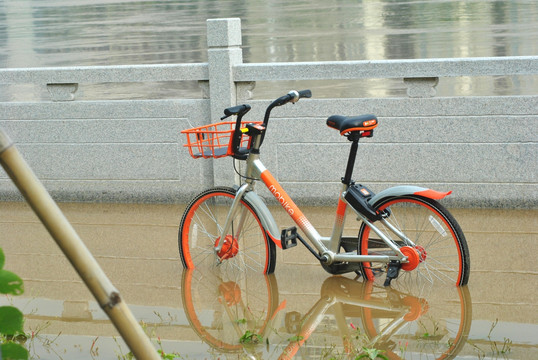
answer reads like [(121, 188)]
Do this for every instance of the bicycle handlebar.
[(240, 110), (293, 96)]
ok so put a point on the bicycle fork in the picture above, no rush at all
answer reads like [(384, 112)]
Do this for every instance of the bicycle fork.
[(224, 231)]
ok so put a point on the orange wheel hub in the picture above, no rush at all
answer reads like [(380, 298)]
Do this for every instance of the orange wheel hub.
[(415, 308), (229, 249), (413, 258), (231, 293)]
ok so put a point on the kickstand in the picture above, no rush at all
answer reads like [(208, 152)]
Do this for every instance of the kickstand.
[(392, 271)]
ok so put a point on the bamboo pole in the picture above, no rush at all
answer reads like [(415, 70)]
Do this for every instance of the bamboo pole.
[(74, 249)]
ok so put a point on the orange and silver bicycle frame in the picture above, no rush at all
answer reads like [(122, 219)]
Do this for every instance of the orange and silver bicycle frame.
[(327, 247)]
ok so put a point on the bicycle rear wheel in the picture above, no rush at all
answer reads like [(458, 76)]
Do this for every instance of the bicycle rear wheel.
[(436, 327), (443, 256), (246, 247)]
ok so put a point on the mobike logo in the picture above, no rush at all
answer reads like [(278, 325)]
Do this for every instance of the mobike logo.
[(369, 123), (285, 204)]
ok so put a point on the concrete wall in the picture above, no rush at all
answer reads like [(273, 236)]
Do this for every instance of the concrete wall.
[(484, 148)]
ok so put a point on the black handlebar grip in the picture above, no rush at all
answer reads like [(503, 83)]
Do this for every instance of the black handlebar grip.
[(236, 110), (305, 94), (282, 100)]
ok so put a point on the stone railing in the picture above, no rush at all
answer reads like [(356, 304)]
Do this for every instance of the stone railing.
[(482, 147)]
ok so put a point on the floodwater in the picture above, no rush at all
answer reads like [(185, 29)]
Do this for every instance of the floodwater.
[(300, 310), (121, 32)]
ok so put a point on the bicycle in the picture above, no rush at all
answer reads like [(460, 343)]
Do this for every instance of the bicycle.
[(231, 229)]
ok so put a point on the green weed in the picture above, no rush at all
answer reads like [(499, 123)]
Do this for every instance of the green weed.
[(371, 354), (11, 319), (250, 337)]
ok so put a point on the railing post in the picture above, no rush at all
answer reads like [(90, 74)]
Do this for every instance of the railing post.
[(224, 52)]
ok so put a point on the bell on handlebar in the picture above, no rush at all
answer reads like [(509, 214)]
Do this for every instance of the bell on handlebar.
[(300, 94), (295, 96)]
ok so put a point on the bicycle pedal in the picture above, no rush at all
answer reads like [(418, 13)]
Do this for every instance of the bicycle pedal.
[(288, 238)]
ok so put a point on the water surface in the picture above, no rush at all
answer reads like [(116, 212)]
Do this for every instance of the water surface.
[(494, 317)]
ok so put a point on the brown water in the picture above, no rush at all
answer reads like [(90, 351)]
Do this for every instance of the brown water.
[(122, 32), (494, 317)]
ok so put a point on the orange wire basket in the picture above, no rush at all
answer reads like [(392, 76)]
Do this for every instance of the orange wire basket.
[(215, 140)]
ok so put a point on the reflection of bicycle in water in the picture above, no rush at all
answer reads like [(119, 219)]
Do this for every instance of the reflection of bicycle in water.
[(221, 311), (244, 316)]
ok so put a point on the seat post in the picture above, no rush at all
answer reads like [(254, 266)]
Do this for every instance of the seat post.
[(351, 159)]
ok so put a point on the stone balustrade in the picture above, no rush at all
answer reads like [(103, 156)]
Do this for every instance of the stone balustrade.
[(483, 147)]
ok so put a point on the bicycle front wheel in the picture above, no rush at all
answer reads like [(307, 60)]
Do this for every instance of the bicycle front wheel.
[(443, 256), (246, 247), (221, 311)]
